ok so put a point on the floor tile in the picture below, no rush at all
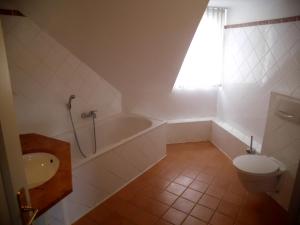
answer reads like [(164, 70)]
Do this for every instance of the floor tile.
[(233, 198), (222, 182), (146, 201), (99, 214), (176, 189), (126, 193), (220, 219), (170, 175), (116, 220), (190, 220), (144, 218), (237, 188), (149, 191), (202, 213), (206, 178), (228, 209), (150, 205), (249, 217), (162, 222), (183, 180), (192, 195), (209, 201), (183, 204), (85, 221), (166, 197), (159, 182), (216, 191), (174, 216), (191, 173), (199, 186)]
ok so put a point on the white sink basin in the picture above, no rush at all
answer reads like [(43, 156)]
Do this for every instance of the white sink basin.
[(39, 168)]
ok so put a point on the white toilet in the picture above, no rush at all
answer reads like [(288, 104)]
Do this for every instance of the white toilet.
[(259, 173)]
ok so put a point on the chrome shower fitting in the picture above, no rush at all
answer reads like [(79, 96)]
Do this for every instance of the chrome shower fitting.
[(251, 150), (69, 104), (91, 113)]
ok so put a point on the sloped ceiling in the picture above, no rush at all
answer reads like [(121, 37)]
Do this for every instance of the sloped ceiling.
[(136, 45)]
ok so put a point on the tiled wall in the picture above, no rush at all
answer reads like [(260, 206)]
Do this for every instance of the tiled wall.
[(282, 141), (44, 74), (258, 60), (181, 131), (226, 141), (226, 138)]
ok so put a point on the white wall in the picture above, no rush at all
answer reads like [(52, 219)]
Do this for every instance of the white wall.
[(258, 60), (241, 11), (174, 105), (137, 46), (44, 74), (182, 131), (282, 141), (134, 44)]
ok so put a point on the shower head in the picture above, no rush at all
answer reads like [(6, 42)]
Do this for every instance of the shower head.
[(69, 104)]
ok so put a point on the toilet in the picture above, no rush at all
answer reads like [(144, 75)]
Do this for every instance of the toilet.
[(259, 173)]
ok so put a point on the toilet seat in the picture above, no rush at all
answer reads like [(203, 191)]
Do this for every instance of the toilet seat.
[(256, 164)]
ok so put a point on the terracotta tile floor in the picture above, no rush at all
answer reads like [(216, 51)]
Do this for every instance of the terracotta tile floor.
[(194, 185)]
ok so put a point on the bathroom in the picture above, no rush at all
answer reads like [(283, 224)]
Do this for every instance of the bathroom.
[(151, 153)]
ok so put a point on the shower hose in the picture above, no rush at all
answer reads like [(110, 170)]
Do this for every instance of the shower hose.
[(75, 135)]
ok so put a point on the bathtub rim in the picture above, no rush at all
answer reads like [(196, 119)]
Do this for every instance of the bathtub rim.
[(155, 123)]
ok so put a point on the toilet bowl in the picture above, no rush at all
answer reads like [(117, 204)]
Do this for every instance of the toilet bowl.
[(259, 173)]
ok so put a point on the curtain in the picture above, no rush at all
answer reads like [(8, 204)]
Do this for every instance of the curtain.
[(202, 66)]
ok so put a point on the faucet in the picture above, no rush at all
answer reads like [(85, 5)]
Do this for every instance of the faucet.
[(69, 104), (251, 150), (91, 113)]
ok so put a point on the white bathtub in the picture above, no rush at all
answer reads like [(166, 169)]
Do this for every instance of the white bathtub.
[(127, 145)]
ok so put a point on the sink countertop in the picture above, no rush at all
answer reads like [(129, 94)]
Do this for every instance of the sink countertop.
[(48, 194)]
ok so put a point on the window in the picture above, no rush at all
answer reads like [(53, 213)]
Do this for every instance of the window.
[(202, 66)]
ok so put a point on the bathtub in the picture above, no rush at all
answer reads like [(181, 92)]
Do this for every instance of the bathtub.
[(127, 145)]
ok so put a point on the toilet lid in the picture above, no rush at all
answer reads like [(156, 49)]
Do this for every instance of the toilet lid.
[(256, 164)]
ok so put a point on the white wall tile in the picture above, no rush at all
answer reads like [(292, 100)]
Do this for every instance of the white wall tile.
[(44, 74), (266, 58), (180, 132)]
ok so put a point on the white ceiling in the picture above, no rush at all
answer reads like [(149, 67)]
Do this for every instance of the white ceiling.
[(136, 45)]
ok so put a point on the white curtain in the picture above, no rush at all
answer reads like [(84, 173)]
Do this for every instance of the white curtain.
[(202, 66)]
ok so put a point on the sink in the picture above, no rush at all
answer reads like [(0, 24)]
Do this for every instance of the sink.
[(39, 168)]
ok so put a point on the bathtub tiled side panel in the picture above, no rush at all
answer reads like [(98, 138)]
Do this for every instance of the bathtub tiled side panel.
[(102, 176), (54, 216), (226, 142), (113, 162), (146, 149), (188, 132)]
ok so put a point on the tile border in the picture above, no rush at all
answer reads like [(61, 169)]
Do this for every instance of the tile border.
[(264, 22), (11, 12)]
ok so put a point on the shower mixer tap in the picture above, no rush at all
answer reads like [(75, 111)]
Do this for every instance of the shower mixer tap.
[(69, 104), (91, 113)]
